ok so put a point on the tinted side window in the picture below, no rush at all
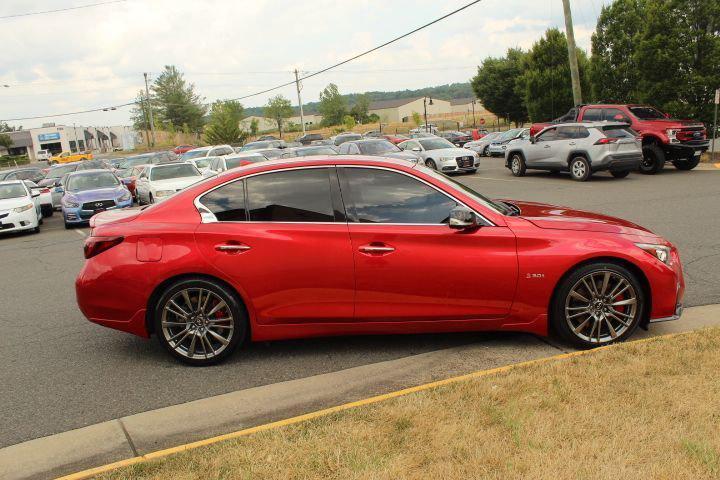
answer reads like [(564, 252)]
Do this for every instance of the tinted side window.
[(592, 115), (582, 132), (380, 196), (291, 196), (611, 113), (547, 135), (566, 133), (344, 149), (227, 202)]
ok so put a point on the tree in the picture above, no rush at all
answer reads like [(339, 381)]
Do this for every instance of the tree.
[(4, 127), (495, 85), (6, 141), (254, 125), (331, 106), (416, 118), (678, 54), (349, 122), (359, 111), (545, 81), (373, 118), (613, 65), (278, 108), (176, 101), (224, 124)]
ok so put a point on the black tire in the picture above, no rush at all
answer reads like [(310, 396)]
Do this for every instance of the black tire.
[(67, 226), (517, 165), (686, 164), (620, 174), (47, 210), (560, 324), (151, 200), (430, 163), (580, 169), (486, 151), (239, 318), (36, 229), (653, 159)]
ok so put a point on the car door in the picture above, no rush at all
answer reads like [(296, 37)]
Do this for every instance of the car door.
[(410, 265), (282, 239), (565, 143), (142, 186), (538, 153)]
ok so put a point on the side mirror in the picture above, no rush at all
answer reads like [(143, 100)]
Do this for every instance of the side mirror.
[(532, 139), (462, 218), (35, 194)]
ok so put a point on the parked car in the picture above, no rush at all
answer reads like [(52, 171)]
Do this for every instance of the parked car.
[(327, 141), (43, 155), (459, 139), (68, 157), (235, 259), (228, 162), (482, 146), (425, 128), (499, 146), (94, 165), (212, 151), (395, 138), (681, 142), (44, 197), (345, 137), (271, 153), (53, 180), (90, 192), (159, 182), (580, 148), (261, 145), (267, 137), (309, 137), (135, 160), (19, 207), (129, 176), (33, 174), (377, 147), (310, 150), (421, 135), (180, 149), (202, 163), (439, 154)]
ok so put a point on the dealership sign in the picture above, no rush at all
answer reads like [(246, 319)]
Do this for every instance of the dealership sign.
[(44, 137)]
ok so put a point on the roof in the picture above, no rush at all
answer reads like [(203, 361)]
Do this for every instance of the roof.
[(462, 101), (382, 104)]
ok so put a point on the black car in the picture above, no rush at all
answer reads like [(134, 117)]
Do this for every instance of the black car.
[(308, 138), (30, 173), (457, 138)]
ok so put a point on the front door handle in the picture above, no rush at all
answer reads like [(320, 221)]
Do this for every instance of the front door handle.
[(377, 249), (572, 143), (232, 248)]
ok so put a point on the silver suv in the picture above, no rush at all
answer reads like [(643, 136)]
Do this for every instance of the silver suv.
[(580, 148)]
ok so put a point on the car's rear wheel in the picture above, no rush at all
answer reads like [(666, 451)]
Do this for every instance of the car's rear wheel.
[(517, 165), (580, 169), (686, 163), (597, 304), (620, 174), (199, 321), (653, 159), (486, 151), (47, 210), (430, 163)]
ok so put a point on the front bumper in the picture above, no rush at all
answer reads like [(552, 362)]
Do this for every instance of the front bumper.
[(17, 222), (78, 215), (686, 149), (453, 165), (675, 316)]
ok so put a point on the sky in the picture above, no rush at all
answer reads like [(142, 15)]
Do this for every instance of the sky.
[(95, 57)]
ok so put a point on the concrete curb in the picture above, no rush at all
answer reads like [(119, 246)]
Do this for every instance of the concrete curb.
[(142, 436)]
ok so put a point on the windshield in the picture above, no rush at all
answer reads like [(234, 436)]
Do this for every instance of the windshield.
[(57, 172), (203, 162), (377, 148), (166, 172), (91, 181), (508, 135), (435, 143), (647, 113), (193, 154), (272, 153), (124, 172), (306, 152), (133, 161), (12, 190), (478, 197), (255, 146)]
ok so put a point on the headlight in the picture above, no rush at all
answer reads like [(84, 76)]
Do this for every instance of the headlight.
[(661, 252), (672, 133), (164, 193), (447, 159), (24, 208), (124, 197)]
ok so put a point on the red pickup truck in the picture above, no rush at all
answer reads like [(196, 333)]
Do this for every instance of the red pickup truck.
[(663, 138)]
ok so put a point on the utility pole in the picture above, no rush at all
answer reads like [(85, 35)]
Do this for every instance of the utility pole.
[(147, 97), (473, 110), (297, 85), (145, 116), (572, 54), (715, 126)]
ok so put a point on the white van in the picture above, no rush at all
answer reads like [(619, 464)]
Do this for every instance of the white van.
[(43, 155)]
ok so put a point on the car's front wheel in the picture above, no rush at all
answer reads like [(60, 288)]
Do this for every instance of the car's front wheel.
[(597, 304), (686, 163), (653, 159), (580, 169), (430, 163), (517, 165), (199, 321)]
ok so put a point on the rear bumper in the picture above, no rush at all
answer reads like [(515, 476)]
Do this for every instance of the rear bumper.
[(621, 162)]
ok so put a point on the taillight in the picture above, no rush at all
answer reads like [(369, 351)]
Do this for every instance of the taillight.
[(45, 190), (95, 245), (606, 140)]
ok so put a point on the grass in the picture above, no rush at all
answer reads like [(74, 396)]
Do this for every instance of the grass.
[(645, 410)]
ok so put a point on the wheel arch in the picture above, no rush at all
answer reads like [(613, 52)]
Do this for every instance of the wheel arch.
[(578, 153), (511, 153), (160, 288), (650, 139), (637, 271)]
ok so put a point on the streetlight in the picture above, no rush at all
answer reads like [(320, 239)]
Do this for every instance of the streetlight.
[(425, 104)]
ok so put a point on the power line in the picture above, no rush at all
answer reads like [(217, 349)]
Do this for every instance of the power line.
[(99, 109), (28, 14)]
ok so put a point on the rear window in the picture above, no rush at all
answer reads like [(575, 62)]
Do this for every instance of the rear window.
[(238, 161), (174, 171), (57, 172), (614, 131)]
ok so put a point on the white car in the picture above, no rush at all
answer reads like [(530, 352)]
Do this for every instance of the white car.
[(482, 146), (499, 146), (440, 154), (223, 164), (159, 182), (202, 163), (43, 155), (44, 198), (211, 151), (19, 207)]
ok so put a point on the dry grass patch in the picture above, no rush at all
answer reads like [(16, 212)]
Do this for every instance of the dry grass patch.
[(647, 410)]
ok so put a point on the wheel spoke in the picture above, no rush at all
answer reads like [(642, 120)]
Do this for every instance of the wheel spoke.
[(592, 290), (184, 313), (218, 337), (618, 319), (187, 300), (577, 296), (204, 304), (219, 320), (584, 312), (184, 334), (606, 280), (580, 327), (174, 324), (178, 314), (191, 348), (592, 331), (613, 333), (209, 344), (620, 292), (220, 304), (629, 301), (599, 328)]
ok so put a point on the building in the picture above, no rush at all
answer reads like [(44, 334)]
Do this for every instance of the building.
[(70, 138), (401, 110), (264, 123), (311, 120)]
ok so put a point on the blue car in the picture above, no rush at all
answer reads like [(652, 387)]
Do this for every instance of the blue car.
[(88, 192)]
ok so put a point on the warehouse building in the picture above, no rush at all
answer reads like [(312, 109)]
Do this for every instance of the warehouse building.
[(401, 110)]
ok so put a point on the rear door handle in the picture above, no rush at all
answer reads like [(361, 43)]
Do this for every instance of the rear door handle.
[(547, 146), (572, 143), (232, 248), (379, 249)]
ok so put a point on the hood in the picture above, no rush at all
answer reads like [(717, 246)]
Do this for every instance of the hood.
[(98, 194), (672, 123), (450, 152), (402, 156), (174, 183), (564, 218), (13, 203)]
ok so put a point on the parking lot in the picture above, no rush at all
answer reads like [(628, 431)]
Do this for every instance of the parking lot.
[(61, 372)]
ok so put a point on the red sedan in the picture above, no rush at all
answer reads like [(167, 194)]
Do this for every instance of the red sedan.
[(395, 139), (180, 149), (359, 245)]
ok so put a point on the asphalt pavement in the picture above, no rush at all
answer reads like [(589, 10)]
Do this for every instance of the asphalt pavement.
[(60, 372)]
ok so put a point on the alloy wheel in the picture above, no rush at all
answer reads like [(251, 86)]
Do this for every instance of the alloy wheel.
[(515, 165), (197, 323), (578, 169), (601, 307)]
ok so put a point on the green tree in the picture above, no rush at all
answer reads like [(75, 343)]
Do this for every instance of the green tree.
[(359, 111), (224, 124), (613, 65), (349, 122), (278, 108), (139, 112), (254, 125), (416, 119), (5, 141), (545, 81), (678, 56), (373, 118), (495, 85), (331, 106), (4, 127), (176, 100)]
